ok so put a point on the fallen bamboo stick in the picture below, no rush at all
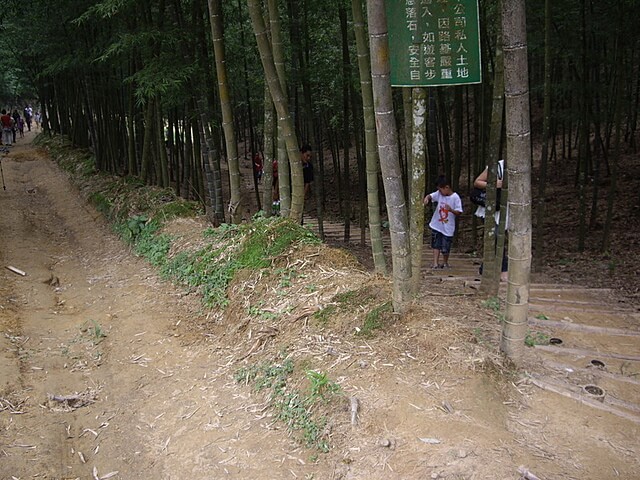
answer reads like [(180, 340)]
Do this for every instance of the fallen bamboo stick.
[(580, 327), (534, 299), (526, 474), (584, 352), (15, 270), (591, 307), (594, 371), (565, 392), (354, 410), (552, 288), (606, 310)]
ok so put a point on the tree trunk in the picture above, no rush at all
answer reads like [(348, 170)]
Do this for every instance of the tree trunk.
[(583, 160), (372, 159), (433, 159), (346, 139), (211, 168), (546, 130), (147, 161), (269, 153), (491, 266), (417, 184), (446, 135), (163, 161), (388, 151), (235, 210), (284, 162), (518, 131), (618, 100), (457, 138)]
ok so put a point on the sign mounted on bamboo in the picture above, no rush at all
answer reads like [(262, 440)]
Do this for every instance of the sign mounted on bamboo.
[(433, 42)]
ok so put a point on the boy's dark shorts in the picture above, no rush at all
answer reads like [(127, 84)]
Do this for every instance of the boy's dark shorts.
[(439, 241)]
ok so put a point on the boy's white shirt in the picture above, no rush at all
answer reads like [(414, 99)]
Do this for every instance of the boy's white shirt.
[(443, 220)]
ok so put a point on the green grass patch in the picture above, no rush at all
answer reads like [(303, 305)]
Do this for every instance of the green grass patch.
[(492, 303), (271, 237), (342, 302), (152, 246), (256, 311), (324, 315), (536, 338), (375, 320), (296, 408), (351, 301), (349, 297), (208, 270), (176, 209), (233, 248), (97, 332), (101, 203)]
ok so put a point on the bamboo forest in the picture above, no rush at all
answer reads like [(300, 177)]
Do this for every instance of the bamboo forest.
[(183, 94), (320, 240)]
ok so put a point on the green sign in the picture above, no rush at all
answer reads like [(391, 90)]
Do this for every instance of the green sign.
[(434, 42)]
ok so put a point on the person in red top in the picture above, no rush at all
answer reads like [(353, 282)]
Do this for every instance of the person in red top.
[(7, 128)]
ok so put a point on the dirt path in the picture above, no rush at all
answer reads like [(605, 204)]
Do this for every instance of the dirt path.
[(92, 323), (90, 318)]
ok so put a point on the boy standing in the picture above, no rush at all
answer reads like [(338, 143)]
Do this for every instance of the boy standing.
[(443, 222)]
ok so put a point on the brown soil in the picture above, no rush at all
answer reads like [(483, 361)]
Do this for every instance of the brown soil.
[(106, 368)]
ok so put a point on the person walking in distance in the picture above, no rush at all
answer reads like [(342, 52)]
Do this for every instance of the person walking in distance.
[(28, 115), (307, 168), (14, 129), (7, 128), (258, 167), (443, 221)]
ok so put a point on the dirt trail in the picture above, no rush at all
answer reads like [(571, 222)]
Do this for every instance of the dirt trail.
[(91, 318), (92, 323)]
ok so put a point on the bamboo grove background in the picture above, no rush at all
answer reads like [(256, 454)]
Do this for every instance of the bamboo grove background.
[(135, 81)]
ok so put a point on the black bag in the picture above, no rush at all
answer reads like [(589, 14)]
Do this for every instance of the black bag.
[(478, 197)]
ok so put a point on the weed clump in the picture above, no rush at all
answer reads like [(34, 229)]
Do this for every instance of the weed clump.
[(297, 408), (232, 248), (353, 300)]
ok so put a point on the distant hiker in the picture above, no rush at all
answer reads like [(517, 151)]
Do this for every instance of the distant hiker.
[(28, 115), (38, 119), (21, 127), (443, 221), (7, 128), (307, 168), (16, 118), (258, 167)]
